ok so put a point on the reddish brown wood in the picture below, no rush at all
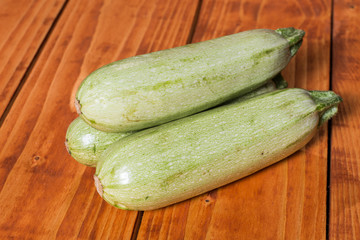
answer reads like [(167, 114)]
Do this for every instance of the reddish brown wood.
[(345, 152), (44, 193), (23, 27), (284, 201)]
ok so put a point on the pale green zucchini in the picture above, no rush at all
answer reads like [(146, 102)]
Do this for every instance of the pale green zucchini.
[(278, 82), (151, 89), (85, 143), (184, 158)]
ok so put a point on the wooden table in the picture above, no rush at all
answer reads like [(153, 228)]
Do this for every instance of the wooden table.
[(47, 47)]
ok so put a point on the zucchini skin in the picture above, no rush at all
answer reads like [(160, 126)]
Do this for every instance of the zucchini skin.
[(184, 158), (148, 90), (85, 143)]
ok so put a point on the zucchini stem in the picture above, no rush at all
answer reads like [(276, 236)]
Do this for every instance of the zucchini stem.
[(294, 37), (326, 104), (78, 106), (98, 185), (67, 146)]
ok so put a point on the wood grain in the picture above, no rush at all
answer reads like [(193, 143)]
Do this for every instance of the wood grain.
[(286, 200), (345, 153), (44, 193), (23, 27)]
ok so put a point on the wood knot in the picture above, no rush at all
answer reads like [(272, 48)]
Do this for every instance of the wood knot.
[(35, 161), (211, 197)]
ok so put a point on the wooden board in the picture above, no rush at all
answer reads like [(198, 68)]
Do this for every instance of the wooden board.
[(44, 193), (345, 152), (287, 200), (24, 26), (48, 47)]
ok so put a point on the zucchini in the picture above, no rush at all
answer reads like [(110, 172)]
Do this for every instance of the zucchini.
[(184, 158), (278, 82), (151, 89), (85, 143)]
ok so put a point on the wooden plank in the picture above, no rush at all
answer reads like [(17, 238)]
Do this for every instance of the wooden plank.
[(44, 192), (286, 200), (345, 153), (23, 27)]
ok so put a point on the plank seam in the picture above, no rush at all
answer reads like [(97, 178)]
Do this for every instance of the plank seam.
[(328, 178), (32, 64), (195, 22), (137, 225)]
